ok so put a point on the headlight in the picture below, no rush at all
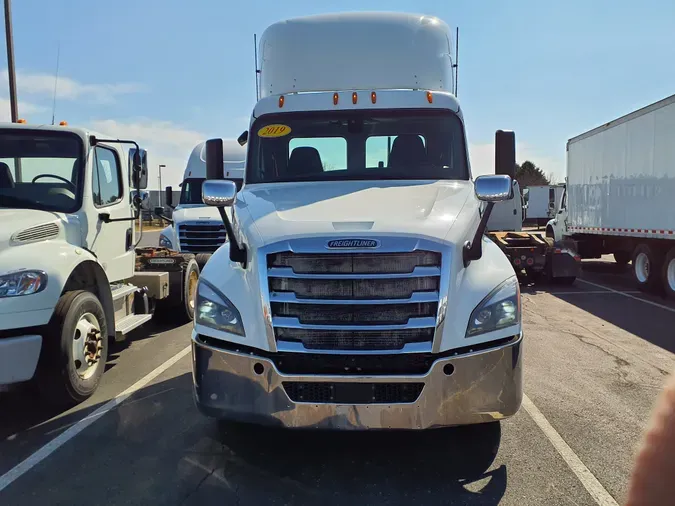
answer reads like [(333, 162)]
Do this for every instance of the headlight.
[(500, 309), (22, 283), (165, 242), (214, 310)]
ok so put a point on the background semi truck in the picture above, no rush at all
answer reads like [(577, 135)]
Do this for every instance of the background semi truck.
[(619, 197), (71, 278), (194, 227), (357, 289)]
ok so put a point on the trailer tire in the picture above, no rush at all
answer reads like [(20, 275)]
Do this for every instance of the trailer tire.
[(647, 264), (668, 274), (202, 258), (178, 307), (76, 332), (622, 257)]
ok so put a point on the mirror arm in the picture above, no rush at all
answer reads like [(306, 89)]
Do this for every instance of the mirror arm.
[(238, 252), (168, 220), (473, 250)]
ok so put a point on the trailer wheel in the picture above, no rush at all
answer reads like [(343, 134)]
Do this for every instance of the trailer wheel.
[(179, 305), (75, 349), (202, 258), (668, 273), (622, 257), (646, 266)]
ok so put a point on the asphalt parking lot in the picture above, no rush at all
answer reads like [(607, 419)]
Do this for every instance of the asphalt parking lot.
[(596, 355)]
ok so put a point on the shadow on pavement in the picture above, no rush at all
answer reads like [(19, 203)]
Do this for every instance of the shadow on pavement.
[(374, 467), (651, 323)]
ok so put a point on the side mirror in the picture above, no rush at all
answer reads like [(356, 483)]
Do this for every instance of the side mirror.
[(505, 153), (139, 168), (159, 211), (493, 188), (219, 193), (243, 138), (551, 205), (168, 196), (214, 160)]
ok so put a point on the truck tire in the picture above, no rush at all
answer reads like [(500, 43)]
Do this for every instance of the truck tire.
[(202, 258), (647, 264), (179, 305), (622, 257), (668, 274), (74, 350)]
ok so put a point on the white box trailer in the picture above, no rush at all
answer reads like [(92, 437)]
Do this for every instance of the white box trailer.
[(620, 187)]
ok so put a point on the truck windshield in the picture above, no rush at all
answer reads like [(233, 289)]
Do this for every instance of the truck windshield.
[(357, 145), (191, 192), (40, 170)]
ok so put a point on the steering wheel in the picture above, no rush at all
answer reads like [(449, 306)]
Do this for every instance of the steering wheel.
[(68, 182)]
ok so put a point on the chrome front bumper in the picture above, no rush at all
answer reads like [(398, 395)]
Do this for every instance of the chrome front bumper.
[(484, 386)]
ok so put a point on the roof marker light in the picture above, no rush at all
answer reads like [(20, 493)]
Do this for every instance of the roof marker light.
[(21, 120), (373, 97), (355, 98), (63, 123), (335, 98), (430, 97), (281, 101)]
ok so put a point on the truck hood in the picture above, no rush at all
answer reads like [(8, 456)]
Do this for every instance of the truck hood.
[(14, 221), (274, 212), (196, 213)]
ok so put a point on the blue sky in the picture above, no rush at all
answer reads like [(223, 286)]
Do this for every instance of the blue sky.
[(171, 73)]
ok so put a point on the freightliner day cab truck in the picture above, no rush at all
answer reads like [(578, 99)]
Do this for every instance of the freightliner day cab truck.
[(619, 196), (357, 289), (71, 278), (194, 227)]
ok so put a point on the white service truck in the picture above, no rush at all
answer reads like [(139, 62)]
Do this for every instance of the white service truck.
[(193, 226), (358, 289), (71, 277), (541, 203), (619, 196)]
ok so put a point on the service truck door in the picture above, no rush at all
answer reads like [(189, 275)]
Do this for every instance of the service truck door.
[(112, 242)]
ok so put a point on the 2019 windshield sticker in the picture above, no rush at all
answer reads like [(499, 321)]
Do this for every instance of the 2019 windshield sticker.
[(274, 131)]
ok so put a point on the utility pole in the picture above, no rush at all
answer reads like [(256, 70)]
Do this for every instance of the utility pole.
[(10, 62), (161, 166)]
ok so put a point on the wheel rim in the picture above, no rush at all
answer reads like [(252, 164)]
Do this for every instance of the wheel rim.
[(642, 267), (87, 346), (192, 288), (670, 275)]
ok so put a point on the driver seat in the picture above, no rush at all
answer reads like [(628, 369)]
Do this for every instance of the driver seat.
[(6, 179)]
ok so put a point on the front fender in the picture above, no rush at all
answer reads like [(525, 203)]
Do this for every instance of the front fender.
[(58, 260)]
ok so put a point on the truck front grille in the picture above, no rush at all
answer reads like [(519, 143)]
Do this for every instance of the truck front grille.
[(201, 238), (352, 393), (354, 301)]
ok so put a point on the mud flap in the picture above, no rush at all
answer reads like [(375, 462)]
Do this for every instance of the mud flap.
[(563, 263)]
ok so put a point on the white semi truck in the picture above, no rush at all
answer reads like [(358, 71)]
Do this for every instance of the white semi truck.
[(194, 227), (71, 278), (358, 289), (619, 197)]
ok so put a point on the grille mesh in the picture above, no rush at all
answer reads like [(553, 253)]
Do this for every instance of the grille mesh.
[(352, 393)]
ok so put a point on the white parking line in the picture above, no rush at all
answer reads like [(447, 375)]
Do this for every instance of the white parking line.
[(626, 294), (26, 465), (586, 477)]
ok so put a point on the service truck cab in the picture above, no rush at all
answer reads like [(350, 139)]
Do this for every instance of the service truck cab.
[(357, 290), (195, 227), (71, 278)]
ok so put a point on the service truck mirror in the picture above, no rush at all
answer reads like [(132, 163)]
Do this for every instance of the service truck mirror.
[(139, 168), (505, 153), (168, 196)]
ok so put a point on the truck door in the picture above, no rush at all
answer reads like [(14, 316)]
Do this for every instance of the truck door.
[(551, 202), (112, 243)]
